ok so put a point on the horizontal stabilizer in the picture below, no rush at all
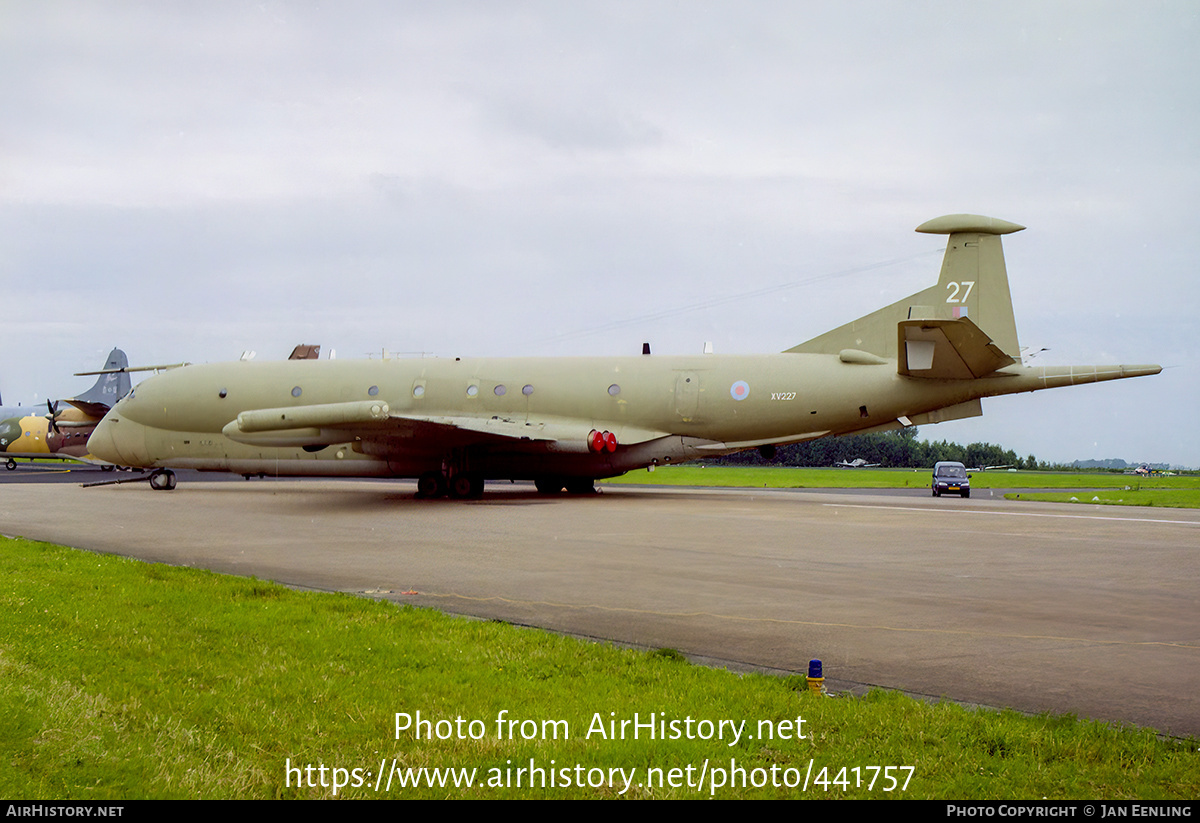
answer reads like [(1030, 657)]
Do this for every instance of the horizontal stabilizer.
[(961, 411), (947, 350)]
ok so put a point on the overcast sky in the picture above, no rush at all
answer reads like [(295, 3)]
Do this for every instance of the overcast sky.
[(192, 180)]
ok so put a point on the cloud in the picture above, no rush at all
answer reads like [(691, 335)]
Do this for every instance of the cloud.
[(471, 178)]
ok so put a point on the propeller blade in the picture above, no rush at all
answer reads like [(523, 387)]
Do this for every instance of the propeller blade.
[(52, 415)]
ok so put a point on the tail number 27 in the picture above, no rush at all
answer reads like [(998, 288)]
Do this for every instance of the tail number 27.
[(965, 287)]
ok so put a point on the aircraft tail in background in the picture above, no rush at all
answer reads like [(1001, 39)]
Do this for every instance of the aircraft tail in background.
[(111, 385)]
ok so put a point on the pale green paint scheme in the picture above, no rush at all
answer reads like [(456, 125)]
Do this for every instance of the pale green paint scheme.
[(869, 375)]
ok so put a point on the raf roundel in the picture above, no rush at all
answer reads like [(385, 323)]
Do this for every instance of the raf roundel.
[(739, 390)]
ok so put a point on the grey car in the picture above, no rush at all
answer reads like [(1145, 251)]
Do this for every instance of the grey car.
[(950, 478)]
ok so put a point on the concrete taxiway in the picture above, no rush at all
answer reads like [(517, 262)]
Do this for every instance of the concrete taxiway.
[(1037, 607)]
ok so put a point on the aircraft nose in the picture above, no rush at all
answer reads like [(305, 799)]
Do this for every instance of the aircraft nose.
[(119, 441)]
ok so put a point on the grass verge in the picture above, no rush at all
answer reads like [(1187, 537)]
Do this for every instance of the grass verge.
[(124, 680), (803, 478), (1165, 498)]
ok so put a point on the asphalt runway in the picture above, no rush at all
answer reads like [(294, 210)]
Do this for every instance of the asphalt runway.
[(1038, 607)]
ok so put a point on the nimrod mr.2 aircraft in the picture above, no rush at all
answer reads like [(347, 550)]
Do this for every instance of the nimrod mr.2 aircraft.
[(565, 422)]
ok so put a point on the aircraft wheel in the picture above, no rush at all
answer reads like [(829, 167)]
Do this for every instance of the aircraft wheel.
[(584, 485), (465, 484), (108, 468), (548, 485), (10, 464), (163, 480), (431, 484)]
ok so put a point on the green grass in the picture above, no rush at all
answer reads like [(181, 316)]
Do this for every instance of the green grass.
[(776, 478), (798, 478), (125, 680), (1166, 498)]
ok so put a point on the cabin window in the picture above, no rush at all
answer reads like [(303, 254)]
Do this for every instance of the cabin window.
[(614, 389), (223, 393), (472, 390), (297, 391), (500, 390), (374, 390), (527, 390), (418, 390)]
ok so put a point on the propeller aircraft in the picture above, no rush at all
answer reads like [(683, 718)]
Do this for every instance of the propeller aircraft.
[(565, 422)]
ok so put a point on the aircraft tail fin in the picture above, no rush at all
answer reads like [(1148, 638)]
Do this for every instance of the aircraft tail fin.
[(111, 385), (973, 286)]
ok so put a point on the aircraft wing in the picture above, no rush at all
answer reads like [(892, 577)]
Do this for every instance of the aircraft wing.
[(501, 428), (374, 421)]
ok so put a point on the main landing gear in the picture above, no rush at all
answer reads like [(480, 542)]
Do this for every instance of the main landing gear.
[(463, 485), (162, 480)]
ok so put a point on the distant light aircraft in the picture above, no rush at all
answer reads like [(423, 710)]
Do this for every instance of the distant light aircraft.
[(564, 422), (856, 463)]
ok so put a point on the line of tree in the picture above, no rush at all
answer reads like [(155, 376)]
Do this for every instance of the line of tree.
[(894, 449)]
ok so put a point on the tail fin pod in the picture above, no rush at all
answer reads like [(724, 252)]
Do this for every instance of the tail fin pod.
[(973, 284)]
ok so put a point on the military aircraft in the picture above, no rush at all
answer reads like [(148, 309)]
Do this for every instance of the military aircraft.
[(61, 430), (565, 422)]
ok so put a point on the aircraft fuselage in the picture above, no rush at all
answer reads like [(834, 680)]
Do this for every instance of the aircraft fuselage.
[(660, 409)]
